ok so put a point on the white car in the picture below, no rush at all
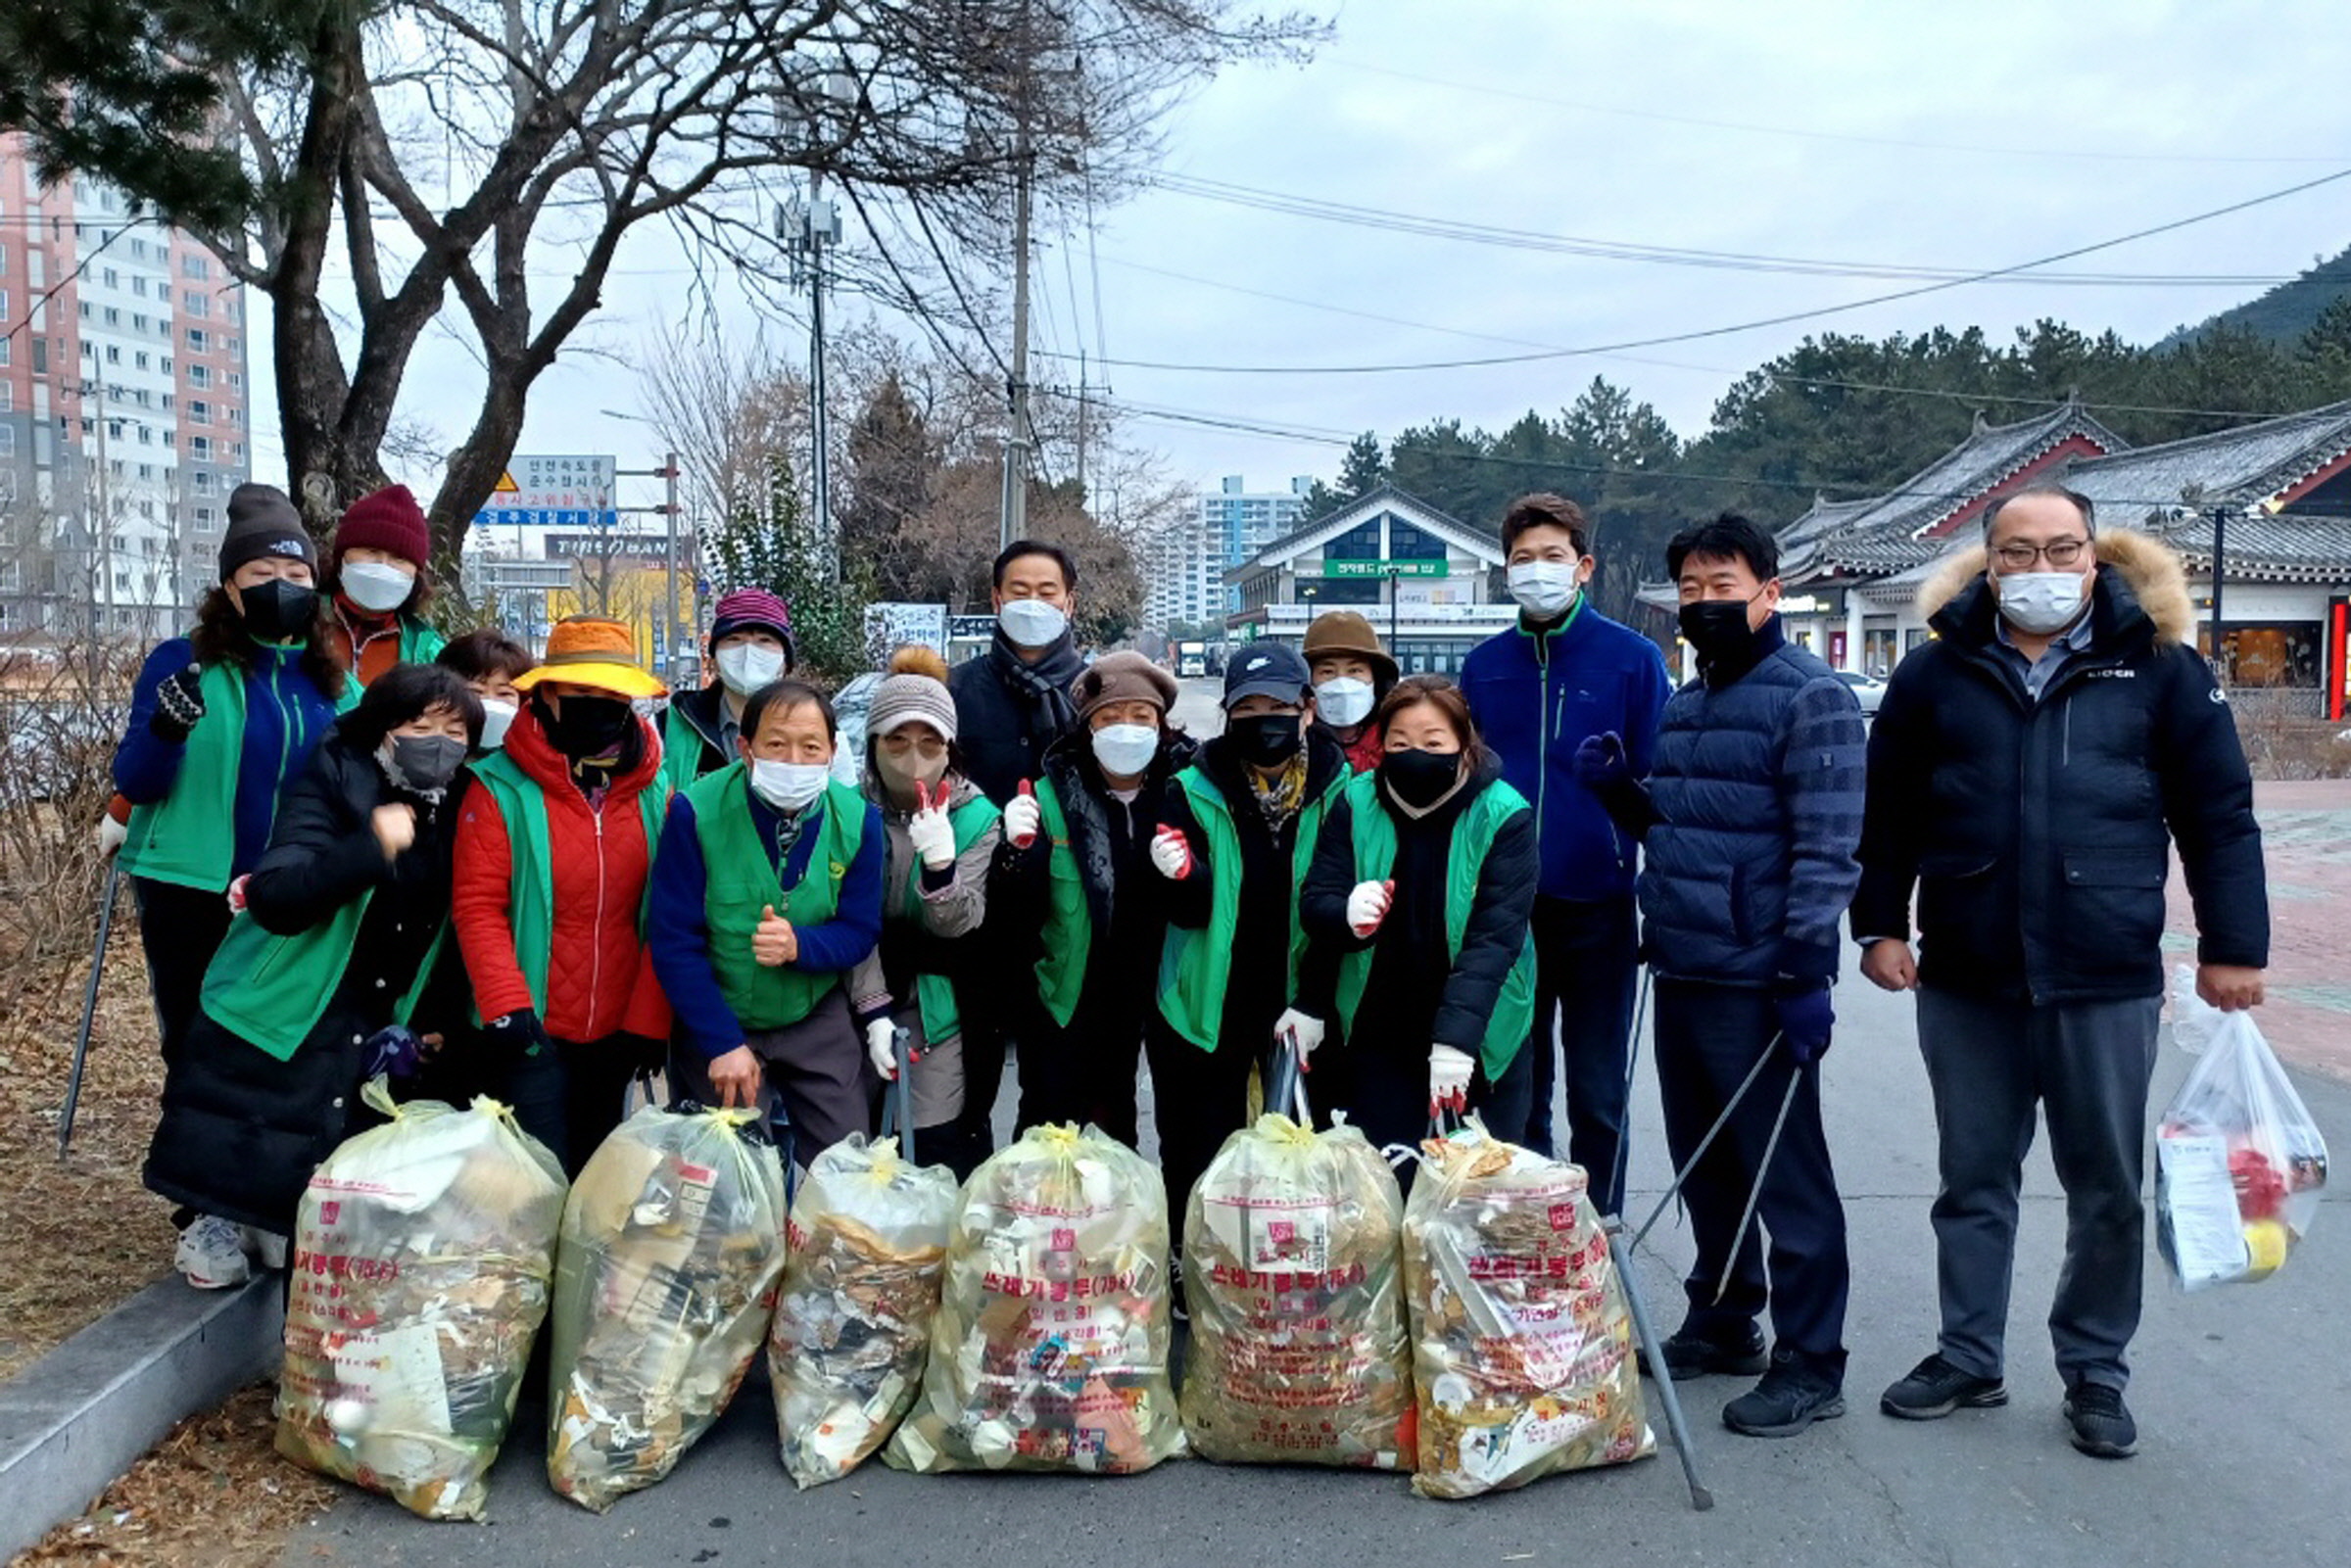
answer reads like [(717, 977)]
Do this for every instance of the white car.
[(1868, 690)]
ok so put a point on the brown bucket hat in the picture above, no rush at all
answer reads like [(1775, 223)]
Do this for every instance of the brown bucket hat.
[(1345, 631)]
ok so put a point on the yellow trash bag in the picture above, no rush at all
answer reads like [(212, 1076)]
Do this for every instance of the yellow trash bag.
[(673, 1244), (1298, 1353), (419, 1274), (1522, 1345), (1050, 1352), (869, 1243)]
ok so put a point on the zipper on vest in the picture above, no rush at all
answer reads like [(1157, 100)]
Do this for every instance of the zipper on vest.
[(1543, 733), (595, 928)]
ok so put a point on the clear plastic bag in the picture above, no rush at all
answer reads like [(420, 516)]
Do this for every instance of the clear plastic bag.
[(1522, 1345), (1050, 1351), (853, 1330), (2240, 1163), (422, 1250), (1298, 1351), (673, 1245)]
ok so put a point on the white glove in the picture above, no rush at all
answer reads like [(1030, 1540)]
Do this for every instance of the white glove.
[(1021, 817), (1448, 1073), (1368, 905), (880, 1048), (112, 835), (1171, 853), (929, 831), (1300, 1033)]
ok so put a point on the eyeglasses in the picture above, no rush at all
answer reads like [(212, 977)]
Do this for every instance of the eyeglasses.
[(2060, 554), (898, 743)]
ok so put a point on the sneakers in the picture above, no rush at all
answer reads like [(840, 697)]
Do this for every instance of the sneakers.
[(1690, 1354), (1791, 1398), (2102, 1427), (210, 1255), (1935, 1388)]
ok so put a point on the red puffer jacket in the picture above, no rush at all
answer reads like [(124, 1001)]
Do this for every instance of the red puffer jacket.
[(599, 977)]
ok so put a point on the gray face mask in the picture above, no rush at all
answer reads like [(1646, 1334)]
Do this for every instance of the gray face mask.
[(423, 763)]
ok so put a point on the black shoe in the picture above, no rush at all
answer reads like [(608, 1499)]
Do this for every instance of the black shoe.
[(1935, 1388), (1791, 1398), (2102, 1425), (1689, 1353)]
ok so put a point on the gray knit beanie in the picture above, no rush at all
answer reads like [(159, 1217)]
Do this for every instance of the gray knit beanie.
[(915, 688)]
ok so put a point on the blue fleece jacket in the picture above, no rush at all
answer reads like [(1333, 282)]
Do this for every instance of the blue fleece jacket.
[(286, 716), (1537, 695), (676, 927)]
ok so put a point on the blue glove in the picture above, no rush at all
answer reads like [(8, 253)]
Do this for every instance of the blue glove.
[(1601, 763), (392, 1052), (1806, 1019)]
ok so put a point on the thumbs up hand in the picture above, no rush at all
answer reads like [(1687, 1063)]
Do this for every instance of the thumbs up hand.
[(774, 943), (1021, 817)]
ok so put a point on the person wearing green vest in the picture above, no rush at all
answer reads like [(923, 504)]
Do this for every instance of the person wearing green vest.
[(554, 855), (222, 720), (329, 973), (750, 647), (1421, 890), (941, 840), (378, 583), (766, 896), (1238, 830), (1076, 876)]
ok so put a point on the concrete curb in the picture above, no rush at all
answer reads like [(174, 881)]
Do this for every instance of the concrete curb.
[(80, 1417)]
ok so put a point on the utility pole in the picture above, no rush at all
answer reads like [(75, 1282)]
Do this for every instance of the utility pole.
[(669, 475), (1013, 513), (2220, 546), (808, 232)]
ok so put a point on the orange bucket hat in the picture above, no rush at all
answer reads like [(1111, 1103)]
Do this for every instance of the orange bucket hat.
[(592, 650)]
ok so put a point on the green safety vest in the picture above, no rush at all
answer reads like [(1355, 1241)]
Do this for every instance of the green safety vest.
[(273, 990), (189, 836), (739, 880), (1474, 830), (531, 887), (1069, 931), (420, 643), (1194, 966), (681, 748), (934, 994)]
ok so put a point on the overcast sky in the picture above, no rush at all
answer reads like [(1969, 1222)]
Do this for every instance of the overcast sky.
[(1954, 136)]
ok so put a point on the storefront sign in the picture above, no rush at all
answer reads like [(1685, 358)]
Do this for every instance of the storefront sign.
[(1383, 568)]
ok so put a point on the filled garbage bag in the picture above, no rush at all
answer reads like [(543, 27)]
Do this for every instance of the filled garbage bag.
[(1298, 1353), (422, 1250), (1522, 1345), (1050, 1351), (853, 1330), (672, 1247), (2239, 1164)]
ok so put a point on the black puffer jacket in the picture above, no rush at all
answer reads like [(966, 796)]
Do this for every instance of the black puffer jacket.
[(2039, 834), (241, 1130), (1008, 715)]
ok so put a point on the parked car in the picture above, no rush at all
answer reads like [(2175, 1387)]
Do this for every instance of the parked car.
[(1868, 690)]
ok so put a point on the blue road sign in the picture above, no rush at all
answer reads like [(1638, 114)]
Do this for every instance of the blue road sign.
[(545, 517)]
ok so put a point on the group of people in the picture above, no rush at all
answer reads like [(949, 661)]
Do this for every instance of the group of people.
[(357, 850)]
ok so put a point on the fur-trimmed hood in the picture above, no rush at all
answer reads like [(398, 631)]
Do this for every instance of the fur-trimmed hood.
[(2152, 569)]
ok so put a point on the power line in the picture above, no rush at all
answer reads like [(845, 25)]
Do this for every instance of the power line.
[(83, 265)]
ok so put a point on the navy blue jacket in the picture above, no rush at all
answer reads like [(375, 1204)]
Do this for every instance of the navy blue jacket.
[(1758, 795), (677, 925), (1536, 697)]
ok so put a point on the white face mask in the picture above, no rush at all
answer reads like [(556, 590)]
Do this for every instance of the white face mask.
[(744, 667), (1124, 750), (496, 717), (375, 587), (788, 786), (1543, 589), (1343, 701), (2041, 602), (1032, 623)]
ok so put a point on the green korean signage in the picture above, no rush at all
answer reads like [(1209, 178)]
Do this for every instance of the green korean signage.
[(1383, 568)]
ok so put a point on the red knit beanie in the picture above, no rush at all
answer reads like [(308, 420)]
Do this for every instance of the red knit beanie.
[(390, 520)]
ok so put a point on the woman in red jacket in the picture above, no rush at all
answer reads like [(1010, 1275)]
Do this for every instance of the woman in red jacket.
[(553, 850)]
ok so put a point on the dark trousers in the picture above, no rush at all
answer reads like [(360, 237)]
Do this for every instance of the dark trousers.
[(1083, 1074), (2088, 1066), (571, 1096), (1587, 957), (1199, 1099), (1388, 1097), (179, 929), (817, 1076), (1709, 1037)]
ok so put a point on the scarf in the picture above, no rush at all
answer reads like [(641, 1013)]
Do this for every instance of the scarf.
[(1279, 797), (1045, 683)]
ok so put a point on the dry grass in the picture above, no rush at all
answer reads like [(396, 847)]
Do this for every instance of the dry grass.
[(212, 1494), (2282, 747)]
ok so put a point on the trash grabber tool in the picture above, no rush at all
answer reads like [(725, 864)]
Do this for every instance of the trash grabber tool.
[(1674, 1188), (89, 1008), (1285, 1084), (1620, 1251), (1771, 1146), (897, 1103), (1632, 1064)]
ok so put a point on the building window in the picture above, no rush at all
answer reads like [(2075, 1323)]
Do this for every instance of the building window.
[(114, 355), (196, 340), (8, 441), (113, 279), (199, 411), (200, 449), (204, 519), (194, 267), (2278, 654), (195, 303), (146, 361), (197, 375), (114, 318), (1408, 543), (236, 382), (1359, 544)]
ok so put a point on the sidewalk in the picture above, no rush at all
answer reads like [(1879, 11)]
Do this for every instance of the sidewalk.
[(2306, 840)]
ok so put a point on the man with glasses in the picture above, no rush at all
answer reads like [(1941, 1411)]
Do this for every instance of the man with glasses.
[(2029, 773)]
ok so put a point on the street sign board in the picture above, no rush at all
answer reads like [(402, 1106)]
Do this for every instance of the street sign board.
[(502, 576), (552, 492), (1383, 568), (893, 624), (970, 628)]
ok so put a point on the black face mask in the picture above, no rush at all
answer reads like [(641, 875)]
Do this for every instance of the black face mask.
[(1265, 740), (425, 763), (279, 610), (588, 726), (1717, 629), (1419, 779)]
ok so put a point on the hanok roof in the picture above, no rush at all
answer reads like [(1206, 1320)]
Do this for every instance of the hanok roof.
[(2269, 461)]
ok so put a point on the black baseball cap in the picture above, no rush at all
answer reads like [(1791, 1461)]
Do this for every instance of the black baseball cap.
[(1266, 670)]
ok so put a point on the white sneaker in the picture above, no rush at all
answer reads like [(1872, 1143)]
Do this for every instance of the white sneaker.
[(265, 1246), (210, 1255)]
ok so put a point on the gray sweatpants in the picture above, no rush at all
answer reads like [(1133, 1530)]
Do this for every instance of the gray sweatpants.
[(817, 1076), (2088, 1066)]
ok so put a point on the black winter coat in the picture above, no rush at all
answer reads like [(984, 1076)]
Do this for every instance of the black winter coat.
[(1004, 726), (2039, 834), (241, 1130)]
